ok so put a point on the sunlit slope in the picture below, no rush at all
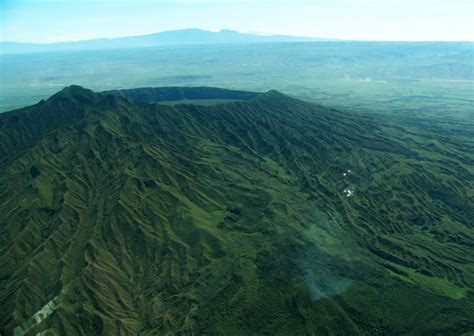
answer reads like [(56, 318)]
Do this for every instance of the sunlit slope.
[(231, 219)]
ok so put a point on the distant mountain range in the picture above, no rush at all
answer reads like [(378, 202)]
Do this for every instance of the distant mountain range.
[(166, 38)]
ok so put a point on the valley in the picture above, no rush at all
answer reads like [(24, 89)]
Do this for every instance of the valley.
[(398, 79)]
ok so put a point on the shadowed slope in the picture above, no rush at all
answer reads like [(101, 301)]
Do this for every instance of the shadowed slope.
[(155, 95), (231, 219)]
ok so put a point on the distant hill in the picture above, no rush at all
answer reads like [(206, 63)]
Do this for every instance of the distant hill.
[(264, 216), (167, 38)]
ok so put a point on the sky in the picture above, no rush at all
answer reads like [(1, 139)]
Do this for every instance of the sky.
[(47, 21)]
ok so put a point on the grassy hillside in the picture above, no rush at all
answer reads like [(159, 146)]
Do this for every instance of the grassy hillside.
[(269, 216)]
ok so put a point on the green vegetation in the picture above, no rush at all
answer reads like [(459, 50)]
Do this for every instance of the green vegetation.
[(232, 219)]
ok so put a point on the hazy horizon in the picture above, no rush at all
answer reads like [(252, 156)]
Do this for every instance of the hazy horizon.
[(329, 38), (53, 21), (165, 31)]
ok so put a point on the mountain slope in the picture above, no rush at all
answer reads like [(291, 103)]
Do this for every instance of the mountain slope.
[(166, 38), (125, 217)]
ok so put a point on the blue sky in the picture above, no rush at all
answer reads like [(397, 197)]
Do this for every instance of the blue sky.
[(66, 20)]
